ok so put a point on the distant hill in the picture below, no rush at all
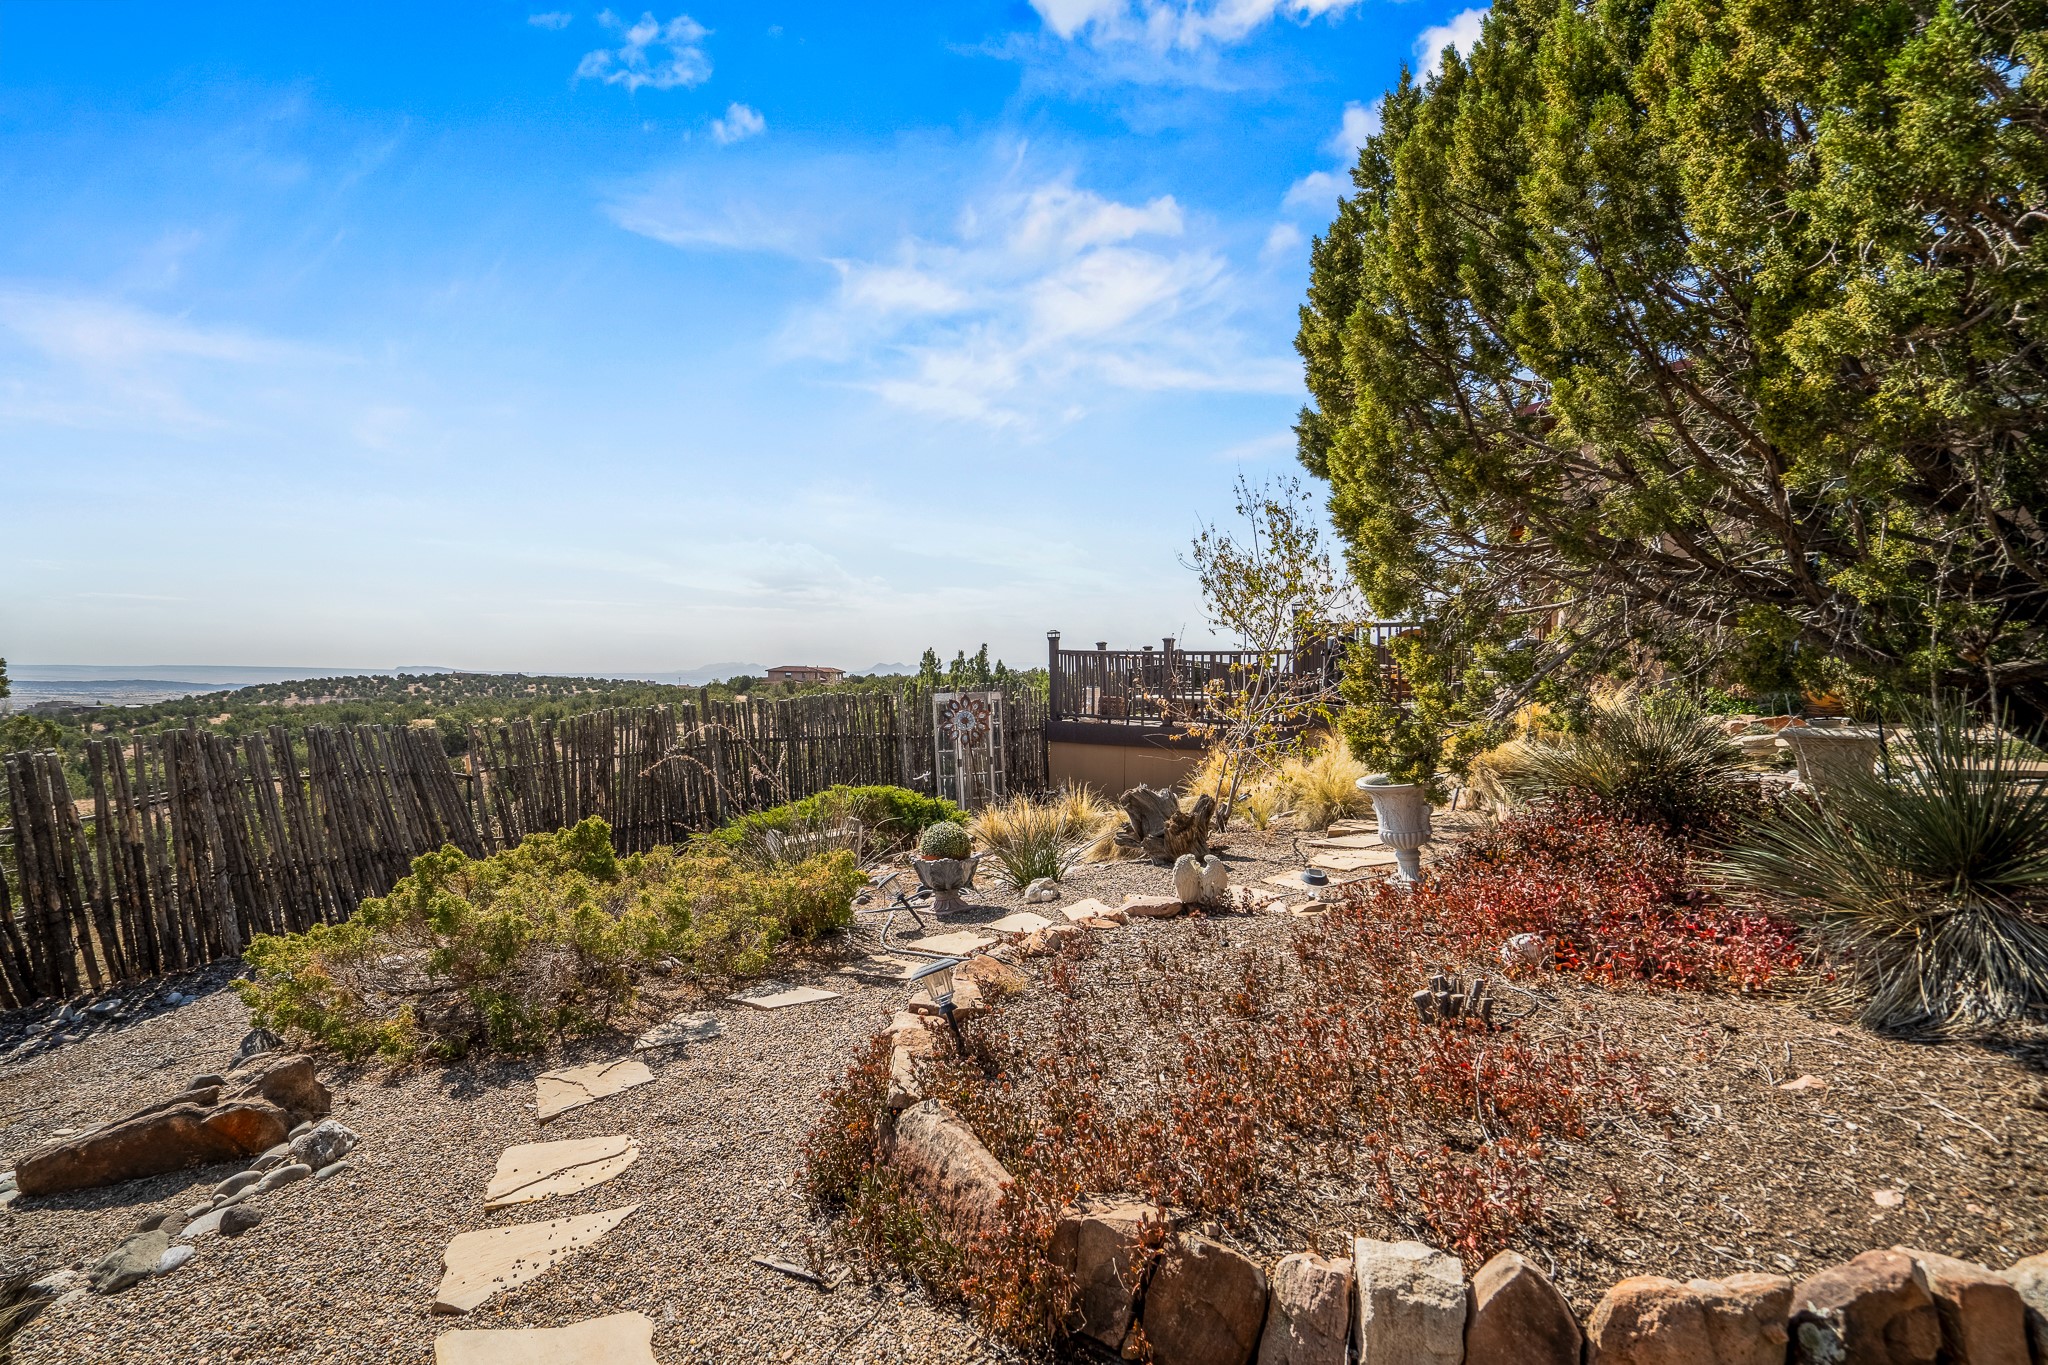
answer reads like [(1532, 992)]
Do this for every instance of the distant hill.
[(710, 673), (887, 670)]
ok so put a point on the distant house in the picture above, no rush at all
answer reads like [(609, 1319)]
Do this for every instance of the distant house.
[(804, 673)]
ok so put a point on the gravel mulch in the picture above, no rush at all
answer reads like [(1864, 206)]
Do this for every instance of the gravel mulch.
[(1743, 1176), (345, 1269)]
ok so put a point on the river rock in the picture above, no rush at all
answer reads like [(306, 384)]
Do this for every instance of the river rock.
[(1308, 1311), (1205, 1305), (239, 1219), (1411, 1304), (1518, 1317), (255, 1043), (327, 1143), (1873, 1311), (131, 1262), (1102, 1245), (1983, 1317), (252, 1110), (955, 1176), (173, 1257), (280, 1176), (236, 1183)]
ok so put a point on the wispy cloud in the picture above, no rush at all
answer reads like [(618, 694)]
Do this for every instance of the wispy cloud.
[(652, 53), (1041, 300), (1182, 24), (1319, 191), (1462, 32), (739, 123), (552, 19)]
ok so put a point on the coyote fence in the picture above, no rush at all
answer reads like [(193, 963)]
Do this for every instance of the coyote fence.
[(186, 844)]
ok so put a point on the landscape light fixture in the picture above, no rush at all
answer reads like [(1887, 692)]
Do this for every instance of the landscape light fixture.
[(937, 980)]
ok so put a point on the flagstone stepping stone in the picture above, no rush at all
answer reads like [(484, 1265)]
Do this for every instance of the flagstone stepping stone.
[(684, 1028), (537, 1170), (1291, 881), (1022, 922), (959, 943), (1348, 841), (762, 998), (884, 968), (1341, 827), (615, 1339), (1352, 862), (1080, 912), (561, 1091), (477, 1265)]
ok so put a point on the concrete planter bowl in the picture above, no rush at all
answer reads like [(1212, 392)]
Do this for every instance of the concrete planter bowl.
[(1402, 809), (946, 878)]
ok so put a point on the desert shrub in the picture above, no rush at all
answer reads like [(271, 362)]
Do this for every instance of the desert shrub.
[(946, 839), (1616, 901), (1264, 1069), (893, 814), (1262, 804), (1322, 786), (1029, 839), (1655, 760), (542, 940), (1927, 888)]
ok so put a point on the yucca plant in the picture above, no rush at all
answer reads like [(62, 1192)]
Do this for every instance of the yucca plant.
[(1926, 885), (1656, 760)]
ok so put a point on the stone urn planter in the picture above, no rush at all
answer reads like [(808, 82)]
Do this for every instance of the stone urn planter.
[(1402, 809), (1829, 757), (946, 878)]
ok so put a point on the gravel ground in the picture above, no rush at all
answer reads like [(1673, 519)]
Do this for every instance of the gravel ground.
[(346, 1268)]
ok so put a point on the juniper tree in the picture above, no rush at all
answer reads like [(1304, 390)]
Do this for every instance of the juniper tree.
[(1712, 328)]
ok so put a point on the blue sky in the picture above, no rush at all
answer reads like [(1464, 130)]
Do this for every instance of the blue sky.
[(524, 337)]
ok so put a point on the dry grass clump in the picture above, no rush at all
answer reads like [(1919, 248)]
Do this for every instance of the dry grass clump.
[(1030, 838), (1322, 786)]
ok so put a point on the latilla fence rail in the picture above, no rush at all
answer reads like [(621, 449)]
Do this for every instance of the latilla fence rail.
[(188, 844)]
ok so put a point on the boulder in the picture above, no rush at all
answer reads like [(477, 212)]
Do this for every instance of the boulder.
[(1153, 907), (1205, 1305), (1519, 1318), (1411, 1304), (252, 1110), (132, 1261), (1102, 1245), (1308, 1313), (1745, 1316), (993, 977), (2030, 1278), (327, 1143), (1875, 1310), (903, 1086), (1983, 1317), (958, 1180)]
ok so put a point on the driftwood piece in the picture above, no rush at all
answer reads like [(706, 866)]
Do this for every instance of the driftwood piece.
[(1157, 824)]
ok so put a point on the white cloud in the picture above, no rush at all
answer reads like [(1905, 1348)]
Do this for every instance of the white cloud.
[(552, 19), (1319, 191), (739, 123), (1282, 240), (1360, 122), (1462, 32), (1184, 24), (661, 55), (1042, 299), (102, 363)]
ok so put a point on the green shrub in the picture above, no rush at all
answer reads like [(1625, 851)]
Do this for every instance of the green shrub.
[(947, 839), (892, 813), (542, 940), (1927, 888), (1656, 760)]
